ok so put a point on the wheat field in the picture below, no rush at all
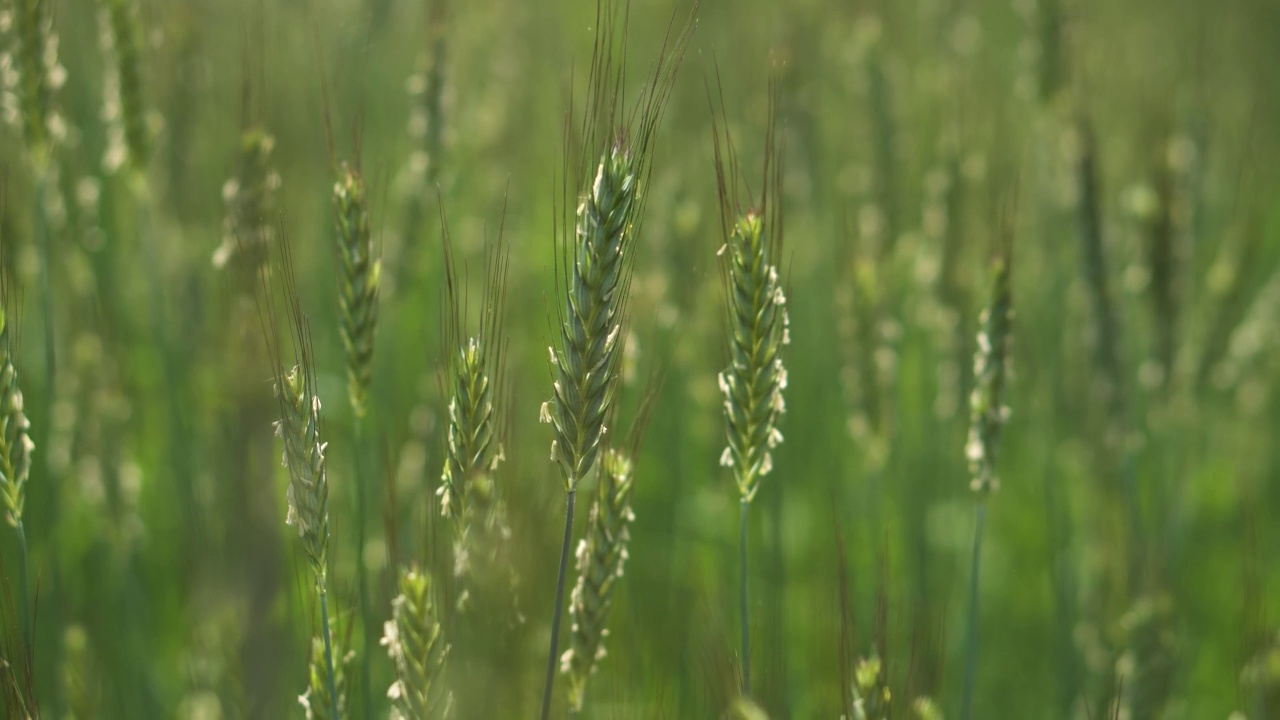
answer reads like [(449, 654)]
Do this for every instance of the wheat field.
[(640, 359)]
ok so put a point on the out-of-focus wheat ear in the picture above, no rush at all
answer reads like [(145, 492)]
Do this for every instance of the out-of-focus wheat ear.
[(249, 197), (475, 367), (124, 102), (988, 414), (15, 429), (871, 696), (602, 557), (418, 650), (316, 701), (37, 77), (1147, 668), (358, 286), (602, 554), (987, 411)]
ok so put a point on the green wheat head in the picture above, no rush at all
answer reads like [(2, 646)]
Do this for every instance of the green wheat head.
[(15, 441), (585, 366), (601, 557), (417, 648), (38, 75), (126, 107), (753, 383), (250, 200), (988, 413), (358, 292), (304, 455), (315, 701), (871, 696)]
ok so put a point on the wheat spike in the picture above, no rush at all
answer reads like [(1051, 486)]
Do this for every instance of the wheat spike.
[(601, 557), (988, 412), (361, 277), (125, 107), (15, 440), (871, 696), (304, 455), (250, 199), (414, 642), (316, 701), (39, 75)]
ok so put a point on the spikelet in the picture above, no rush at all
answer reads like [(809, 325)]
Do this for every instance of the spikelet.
[(316, 701), (414, 642), (250, 199), (988, 412), (15, 440), (757, 321), (124, 106), (358, 291), (602, 555)]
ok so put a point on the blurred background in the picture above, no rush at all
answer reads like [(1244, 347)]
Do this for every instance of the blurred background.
[(1130, 556)]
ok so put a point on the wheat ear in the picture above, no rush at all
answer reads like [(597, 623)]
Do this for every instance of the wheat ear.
[(601, 556), (988, 414), (250, 199), (16, 446), (358, 289), (124, 105), (473, 444), (319, 701), (417, 648), (596, 261), (757, 327), (301, 428)]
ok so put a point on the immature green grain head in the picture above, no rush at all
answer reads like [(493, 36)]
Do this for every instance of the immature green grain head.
[(596, 258), (473, 447), (250, 199), (358, 291), (871, 695), (315, 701), (756, 316), (36, 76), (124, 104), (417, 649), (15, 441), (601, 557), (304, 455), (988, 412)]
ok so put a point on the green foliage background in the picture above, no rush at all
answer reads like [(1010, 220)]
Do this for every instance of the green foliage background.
[(169, 585)]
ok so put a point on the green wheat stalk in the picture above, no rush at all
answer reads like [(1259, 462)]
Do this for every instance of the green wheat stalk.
[(757, 328)]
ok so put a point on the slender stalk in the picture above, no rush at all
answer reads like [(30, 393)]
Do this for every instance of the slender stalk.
[(43, 243), (27, 648), (361, 580), (559, 607), (742, 599), (328, 652), (971, 642)]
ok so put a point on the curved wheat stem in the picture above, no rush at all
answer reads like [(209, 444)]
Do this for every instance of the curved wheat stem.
[(414, 642)]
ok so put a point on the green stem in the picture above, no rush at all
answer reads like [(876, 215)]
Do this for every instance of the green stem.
[(43, 244), (742, 598), (28, 649), (559, 607), (971, 644), (328, 652), (361, 579)]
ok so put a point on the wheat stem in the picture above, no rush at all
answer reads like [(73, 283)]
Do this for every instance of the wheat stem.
[(742, 597), (971, 641), (555, 617), (362, 580), (328, 652)]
